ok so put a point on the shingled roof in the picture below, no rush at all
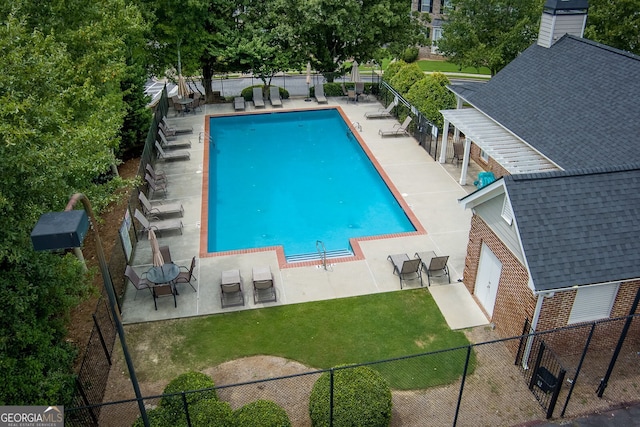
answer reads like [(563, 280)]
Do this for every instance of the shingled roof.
[(575, 102), (578, 228)]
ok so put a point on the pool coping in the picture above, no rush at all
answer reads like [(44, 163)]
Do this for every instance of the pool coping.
[(279, 250)]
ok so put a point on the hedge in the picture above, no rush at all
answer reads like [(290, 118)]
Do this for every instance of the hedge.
[(211, 412), (247, 92), (361, 397), (187, 382)]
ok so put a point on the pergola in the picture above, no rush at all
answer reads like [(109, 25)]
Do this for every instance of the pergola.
[(513, 154)]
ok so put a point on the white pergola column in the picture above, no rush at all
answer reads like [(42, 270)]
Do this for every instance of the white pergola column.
[(465, 161), (456, 132), (445, 142)]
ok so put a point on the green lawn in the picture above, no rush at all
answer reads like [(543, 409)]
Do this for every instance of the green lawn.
[(444, 67), (320, 334)]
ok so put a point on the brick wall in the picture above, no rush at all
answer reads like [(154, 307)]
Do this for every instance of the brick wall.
[(514, 301), (489, 166)]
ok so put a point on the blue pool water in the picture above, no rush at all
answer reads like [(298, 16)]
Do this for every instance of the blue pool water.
[(293, 178)]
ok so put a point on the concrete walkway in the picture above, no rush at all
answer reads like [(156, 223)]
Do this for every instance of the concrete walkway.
[(429, 188)]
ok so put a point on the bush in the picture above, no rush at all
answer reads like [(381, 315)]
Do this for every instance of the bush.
[(393, 69), (187, 382), (406, 77), (430, 96), (211, 412), (410, 55), (335, 89), (261, 413), (361, 397), (158, 417)]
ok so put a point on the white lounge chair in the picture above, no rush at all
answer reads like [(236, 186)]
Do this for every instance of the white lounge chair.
[(319, 94), (172, 155), (258, 100), (383, 113), (274, 96), (398, 129), (159, 209), (157, 225)]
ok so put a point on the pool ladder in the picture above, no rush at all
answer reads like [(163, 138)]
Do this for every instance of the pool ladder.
[(323, 252), (357, 125)]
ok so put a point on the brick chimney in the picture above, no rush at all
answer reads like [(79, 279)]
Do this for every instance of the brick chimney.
[(560, 17)]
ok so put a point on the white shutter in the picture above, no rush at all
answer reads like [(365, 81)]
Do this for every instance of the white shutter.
[(507, 212), (593, 303)]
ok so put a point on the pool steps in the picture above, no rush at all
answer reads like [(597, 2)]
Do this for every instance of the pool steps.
[(315, 256)]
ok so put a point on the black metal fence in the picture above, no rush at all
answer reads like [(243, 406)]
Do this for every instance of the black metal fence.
[(498, 382)]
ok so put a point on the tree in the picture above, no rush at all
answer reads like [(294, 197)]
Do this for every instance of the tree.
[(430, 95), (334, 31), (615, 23), (489, 33)]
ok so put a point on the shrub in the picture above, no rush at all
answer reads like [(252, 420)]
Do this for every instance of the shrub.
[(430, 96), (261, 413), (410, 54), (406, 77), (187, 382), (361, 397), (247, 92), (393, 69), (158, 417), (211, 412)]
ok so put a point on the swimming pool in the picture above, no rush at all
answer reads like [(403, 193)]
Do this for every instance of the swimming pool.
[(292, 179)]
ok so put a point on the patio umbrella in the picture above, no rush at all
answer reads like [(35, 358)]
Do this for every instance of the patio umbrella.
[(158, 261), (355, 73), (183, 90)]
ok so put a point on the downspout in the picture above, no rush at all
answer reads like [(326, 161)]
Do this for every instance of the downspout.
[(534, 324)]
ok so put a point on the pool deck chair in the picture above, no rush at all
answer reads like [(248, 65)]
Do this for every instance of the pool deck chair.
[(174, 129), (155, 186), (172, 144), (406, 268), (258, 100), (398, 129), (159, 209), (434, 266), (231, 289), (263, 289), (319, 94), (172, 155), (274, 96), (157, 225), (383, 113), (238, 103)]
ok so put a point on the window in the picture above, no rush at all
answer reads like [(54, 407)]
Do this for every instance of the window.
[(425, 6), (593, 303), (445, 5), (484, 156)]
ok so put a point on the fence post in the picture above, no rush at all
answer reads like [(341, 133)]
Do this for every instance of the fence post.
[(556, 393), (575, 378), (523, 337), (464, 377), (104, 344), (185, 405), (331, 397)]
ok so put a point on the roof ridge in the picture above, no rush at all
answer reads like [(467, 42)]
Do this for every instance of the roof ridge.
[(601, 46), (574, 172)]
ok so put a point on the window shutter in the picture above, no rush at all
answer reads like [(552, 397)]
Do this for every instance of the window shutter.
[(593, 303), (507, 212)]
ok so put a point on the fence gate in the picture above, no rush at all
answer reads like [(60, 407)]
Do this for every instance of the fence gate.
[(541, 369)]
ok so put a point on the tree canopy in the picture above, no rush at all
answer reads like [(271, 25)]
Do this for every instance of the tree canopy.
[(615, 23), (489, 33)]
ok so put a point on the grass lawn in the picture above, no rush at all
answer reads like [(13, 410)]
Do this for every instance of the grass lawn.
[(443, 66), (319, 334)]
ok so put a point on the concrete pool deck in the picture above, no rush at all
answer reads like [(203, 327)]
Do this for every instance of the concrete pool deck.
[(430, 189)]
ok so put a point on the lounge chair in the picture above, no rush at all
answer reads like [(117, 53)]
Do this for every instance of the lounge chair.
[(319, 94), (159, 209), (238, 103), (274, 96), (158, 176), (258, 100), (172, 155), (231, 289), (172, 144), (382, 113), (155, 186), (406, 268), (169, 134), (263, 289), (434, 266), (398, 129), (157, 225), (176, 129)]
